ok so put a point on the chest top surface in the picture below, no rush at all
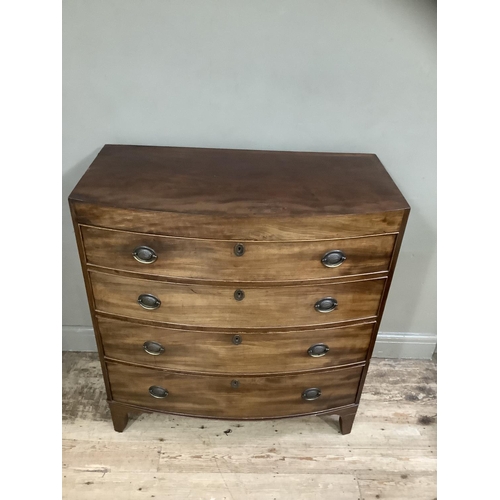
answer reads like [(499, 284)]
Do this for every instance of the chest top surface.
[(238, 182)]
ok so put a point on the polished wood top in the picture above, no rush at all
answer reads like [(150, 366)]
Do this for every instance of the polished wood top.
[(238, 182)]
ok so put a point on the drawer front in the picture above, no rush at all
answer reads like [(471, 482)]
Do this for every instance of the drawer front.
[(230, 397), (248, 353), (226, 307), (236, 261), (232, 227)]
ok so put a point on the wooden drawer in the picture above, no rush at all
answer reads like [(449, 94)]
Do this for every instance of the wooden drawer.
[(239, 227), (216, 396), (229, 331), (248, 353), (216, 307), (217, 260)]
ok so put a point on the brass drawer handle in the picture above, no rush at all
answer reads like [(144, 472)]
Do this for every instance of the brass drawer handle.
[(148, 301), (311, 394), (333, 258), (326, 305), (158, 392), (144, 255), (318, 350), (153, 348)]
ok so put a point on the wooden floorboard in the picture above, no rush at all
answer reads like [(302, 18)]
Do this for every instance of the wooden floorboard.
[(390, 454), (175, 486)]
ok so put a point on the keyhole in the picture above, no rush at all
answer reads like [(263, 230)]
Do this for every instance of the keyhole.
[(239, 249), (239, 294)]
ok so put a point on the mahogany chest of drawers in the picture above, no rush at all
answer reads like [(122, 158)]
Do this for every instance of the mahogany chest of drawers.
[(236, 284)]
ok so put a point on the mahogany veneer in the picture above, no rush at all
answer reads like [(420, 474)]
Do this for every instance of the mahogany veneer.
[(236, 284)]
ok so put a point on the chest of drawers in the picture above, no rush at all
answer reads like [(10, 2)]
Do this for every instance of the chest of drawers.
[(236, 284)]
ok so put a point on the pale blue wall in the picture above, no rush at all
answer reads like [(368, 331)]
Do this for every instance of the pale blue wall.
[(343, 76)]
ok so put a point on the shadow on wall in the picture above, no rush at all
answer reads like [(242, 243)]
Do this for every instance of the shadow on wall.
[(74, 299), (413, 269), (73, 175)]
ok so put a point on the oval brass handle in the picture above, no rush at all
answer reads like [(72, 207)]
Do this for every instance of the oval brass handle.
[(333, 258), (326, 305), (158, 392), (153, 348), (318, 350), (311, 394), (144, 255), (148, 301)]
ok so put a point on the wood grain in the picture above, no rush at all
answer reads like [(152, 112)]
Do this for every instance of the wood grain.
[(140, 457), (389, 453), (215, 486), (215, 352), (398, 486), (216, 260), (222, 182), (90, 296), (385, 293), (215, 306), (192, 205), (387, 418), (236, 228), (119, 415), (256, 397)]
